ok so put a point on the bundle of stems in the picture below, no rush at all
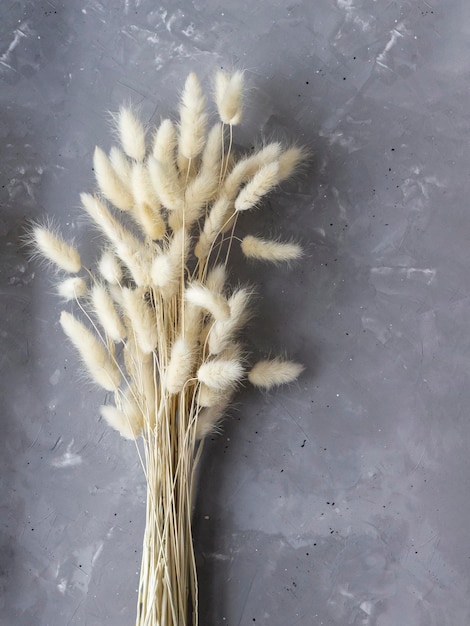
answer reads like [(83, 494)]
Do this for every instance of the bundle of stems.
[(156, 323)]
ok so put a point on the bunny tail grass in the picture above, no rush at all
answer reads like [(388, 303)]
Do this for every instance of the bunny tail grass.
[(121, 165), (228, 93), (209, 418), (141, 316), (110, 225), (220, 374), (223, 332), (51, 246), (168, 266), (271, 373), (109, 267), (146, 209), (109, 182), (180, 366), (127, 423), (132, 134), (166, 184), (272, 251), (218, 215), (94, 356), (210, 301), (216, 278), (161, 322), (193, 119), (291, 160), (208, 396), (106, 313), (127, 247), (261, 184), (72, 288), (248, 166)]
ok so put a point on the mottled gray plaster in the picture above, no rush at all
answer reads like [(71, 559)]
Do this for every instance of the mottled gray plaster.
[(342, 499)]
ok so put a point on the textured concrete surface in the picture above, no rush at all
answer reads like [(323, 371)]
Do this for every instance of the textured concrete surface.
[(341, 500)]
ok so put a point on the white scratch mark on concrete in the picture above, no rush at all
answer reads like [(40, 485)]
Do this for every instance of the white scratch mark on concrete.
[(68, 459), (55, 377), (395, 35), (97, 553), (5, 58), (408, 272), (366, 607)]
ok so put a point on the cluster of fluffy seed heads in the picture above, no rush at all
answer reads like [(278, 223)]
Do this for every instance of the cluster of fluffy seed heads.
[(158, 326), (168, 208)]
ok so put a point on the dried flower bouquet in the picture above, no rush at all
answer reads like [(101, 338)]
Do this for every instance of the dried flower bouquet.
[(158, 325)]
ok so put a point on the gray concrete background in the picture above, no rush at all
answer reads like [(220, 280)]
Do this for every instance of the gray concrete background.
[(343, 499)]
